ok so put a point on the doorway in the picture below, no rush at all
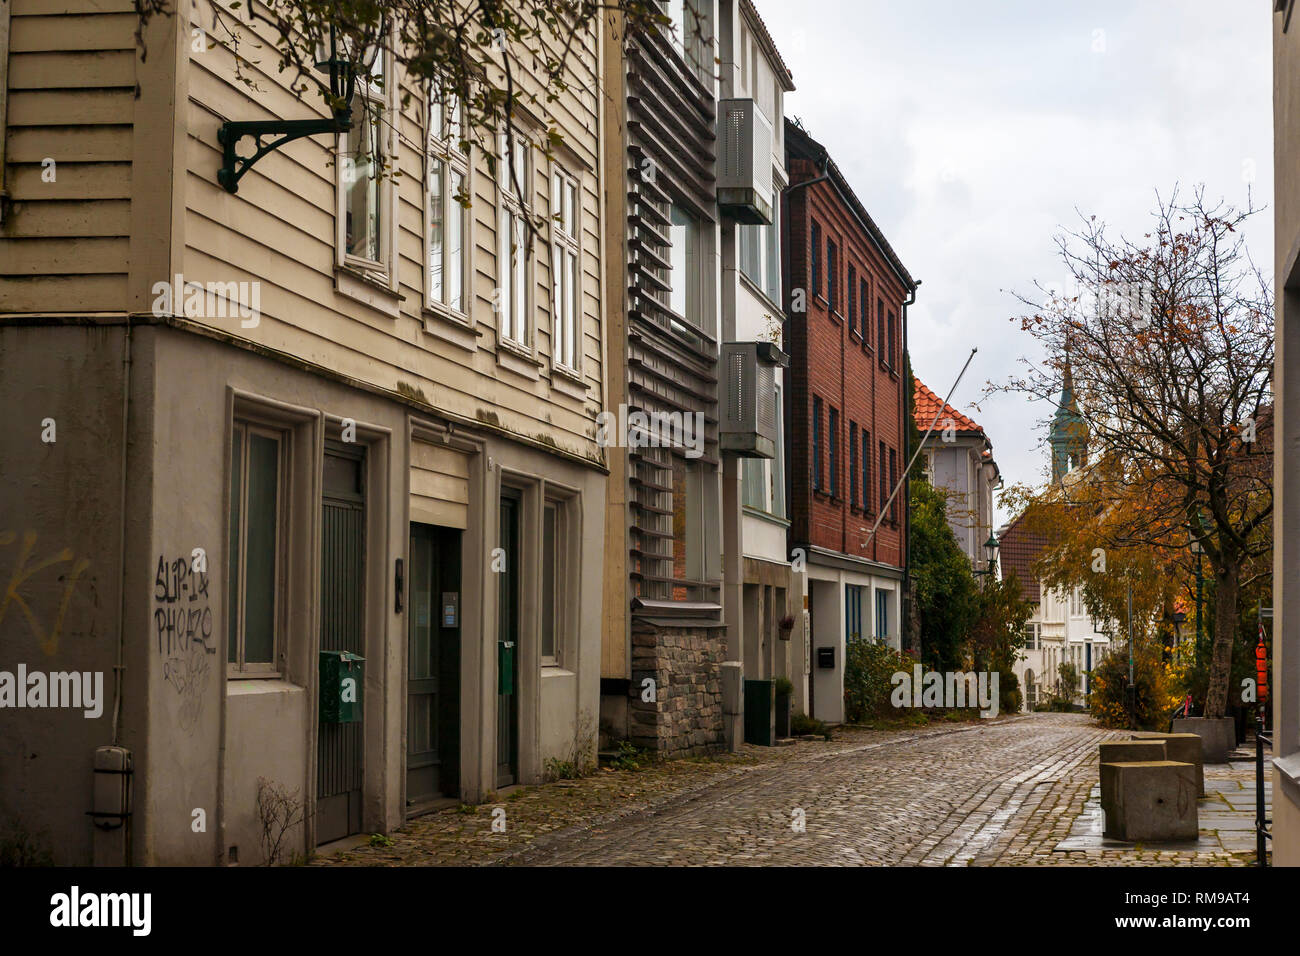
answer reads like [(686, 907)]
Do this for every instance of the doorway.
[(340, 757), (508, 642), (433, 666)]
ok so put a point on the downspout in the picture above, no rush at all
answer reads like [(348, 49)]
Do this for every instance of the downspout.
[(121, 538), (905, 624)]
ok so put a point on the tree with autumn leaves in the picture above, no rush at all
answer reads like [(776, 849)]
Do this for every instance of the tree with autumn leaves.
[(1169, 340)]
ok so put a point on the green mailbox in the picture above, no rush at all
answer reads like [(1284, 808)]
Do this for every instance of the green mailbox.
[(341, 677), (505, 667)]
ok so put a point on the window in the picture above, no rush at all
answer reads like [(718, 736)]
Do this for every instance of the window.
[(832, 287), (893, 340), (692, 32), (880, 329), (853, 462), (554, 575), (853, 613), (864, 307), (684, 266), (815, 269), (866, 471), (752, 478), (882, 616), (566, 211), (1032, 635), (884, 488), (363, 186), (512, 264), (817, 444), (833, 444), (893, 480), (760, 254), (688, 527), (853, 289), (448, 219), (778, 463), (255, 554)]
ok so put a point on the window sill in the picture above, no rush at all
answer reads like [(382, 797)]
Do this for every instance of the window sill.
[(766, 298), (568, 382), (367, 290), (513, 358), (238, 685), (451, 328)]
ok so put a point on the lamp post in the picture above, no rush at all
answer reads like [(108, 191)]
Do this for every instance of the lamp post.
[(991, 549), (1179, 617), (1131, 690)]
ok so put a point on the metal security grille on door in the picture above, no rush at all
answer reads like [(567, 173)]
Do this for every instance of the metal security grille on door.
[(341, 746)]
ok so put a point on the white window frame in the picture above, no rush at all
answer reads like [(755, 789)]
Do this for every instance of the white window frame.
[(380, 99), (239, 668), (566, 322), (514, 329), (444, 147), (555, 567)]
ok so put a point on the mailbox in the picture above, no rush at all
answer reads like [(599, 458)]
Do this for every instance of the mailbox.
[(505, 667), (826, 657), (341, 677)]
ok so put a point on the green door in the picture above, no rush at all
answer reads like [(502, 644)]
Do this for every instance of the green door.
[(340, 758), (433, 666), (507, 644)]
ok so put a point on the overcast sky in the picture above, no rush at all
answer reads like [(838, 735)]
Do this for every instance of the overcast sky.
[(973, 129)]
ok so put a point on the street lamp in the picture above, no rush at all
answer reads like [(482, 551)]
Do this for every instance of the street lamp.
[(1179, 617), (991, 549)]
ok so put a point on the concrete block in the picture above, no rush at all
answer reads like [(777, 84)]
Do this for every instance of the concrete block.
[(1153, 801), (1115, 752), (1184, 748), (733, 704), (1218, 735)]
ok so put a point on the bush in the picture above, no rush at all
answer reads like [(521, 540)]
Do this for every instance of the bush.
[(1156, 697), (868, 667), (802, 724)]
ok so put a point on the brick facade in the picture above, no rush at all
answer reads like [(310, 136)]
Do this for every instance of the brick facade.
[(832, 361)]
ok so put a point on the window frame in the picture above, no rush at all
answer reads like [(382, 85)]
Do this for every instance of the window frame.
[(814, 262), (239, 667), (381, 99), (853, 463), (562, 244), (509, 211), (832, 283), (832, 449), (866, 471), (446, 149), (555, 567), (817, 443)]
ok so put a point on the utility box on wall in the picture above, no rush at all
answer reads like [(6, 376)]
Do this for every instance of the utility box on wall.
[(341, 677)]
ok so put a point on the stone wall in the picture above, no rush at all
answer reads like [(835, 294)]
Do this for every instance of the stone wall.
[(685, 718)]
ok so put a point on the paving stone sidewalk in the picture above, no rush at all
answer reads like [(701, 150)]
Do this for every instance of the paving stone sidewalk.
[(1006, 792)]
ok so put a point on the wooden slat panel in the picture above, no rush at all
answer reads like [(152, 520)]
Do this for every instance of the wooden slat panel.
[(435, 458), (104, 31), (31, 144), (71, 107), (51, 71), (63, 256), (445, 513), (93, 293), (70, 218), (430, 484), (71, 181)]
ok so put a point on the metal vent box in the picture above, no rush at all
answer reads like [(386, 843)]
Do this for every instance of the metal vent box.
[(744, 162)]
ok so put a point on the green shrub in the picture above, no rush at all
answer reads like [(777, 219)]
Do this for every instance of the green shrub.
[(802, 724), (868, 667), (1155, 696), (784, 687)]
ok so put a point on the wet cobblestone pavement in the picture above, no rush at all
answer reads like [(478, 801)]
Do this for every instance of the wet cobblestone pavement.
[(1003, 792)]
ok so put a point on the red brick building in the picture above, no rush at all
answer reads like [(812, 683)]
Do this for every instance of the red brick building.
[(846, 332)]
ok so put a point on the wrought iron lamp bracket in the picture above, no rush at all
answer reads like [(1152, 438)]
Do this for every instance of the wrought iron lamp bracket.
[(234, 166)]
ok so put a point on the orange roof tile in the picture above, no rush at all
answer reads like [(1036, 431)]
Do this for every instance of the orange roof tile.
[(927, 404)]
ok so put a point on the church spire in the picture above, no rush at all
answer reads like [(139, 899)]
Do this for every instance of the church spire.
[(1069, 435)]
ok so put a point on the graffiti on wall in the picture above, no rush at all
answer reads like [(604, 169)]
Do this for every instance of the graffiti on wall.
[(183, 630), (62, 563)]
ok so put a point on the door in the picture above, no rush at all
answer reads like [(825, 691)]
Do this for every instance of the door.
[(508, 644), (433, 666), (340, 758)]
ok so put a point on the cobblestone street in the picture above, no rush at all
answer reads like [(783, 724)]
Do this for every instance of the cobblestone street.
[(1007, 792)]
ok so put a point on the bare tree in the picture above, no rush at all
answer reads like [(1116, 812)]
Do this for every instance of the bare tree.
[(1170, 342)]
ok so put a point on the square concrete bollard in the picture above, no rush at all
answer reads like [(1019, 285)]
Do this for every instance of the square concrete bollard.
[(1218, 735), (1115, 752), (1184, 748), (1155, 801)]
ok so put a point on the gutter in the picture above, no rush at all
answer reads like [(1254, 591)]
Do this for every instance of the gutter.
[(905, 623)]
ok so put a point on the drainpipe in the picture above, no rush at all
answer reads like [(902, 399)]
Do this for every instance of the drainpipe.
[(906, 615), (121, 538)]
